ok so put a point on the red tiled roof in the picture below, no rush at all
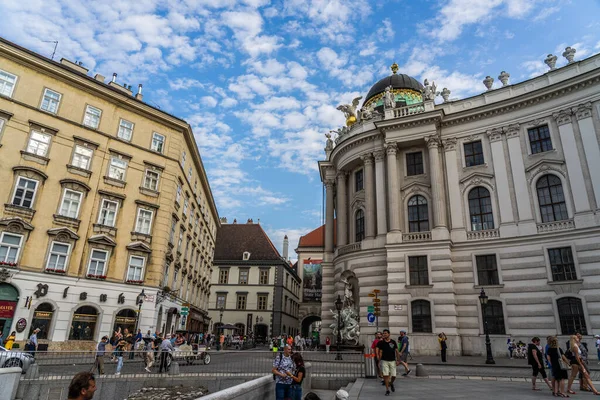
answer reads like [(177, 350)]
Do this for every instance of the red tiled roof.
[(316, 238), (234, 239)]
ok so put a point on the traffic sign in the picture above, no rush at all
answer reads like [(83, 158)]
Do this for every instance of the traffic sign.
[(371, 319), (371, 294), (376, 291), (376, 300), (370, 309), (185, 310)]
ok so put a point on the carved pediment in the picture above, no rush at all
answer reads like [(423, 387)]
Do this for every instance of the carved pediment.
[(29, 172), (139, 246), (545, 166), (16, 224), (415, 188), (102, 240), (572, 287), (75, 185), (358, 201), (475, 179), (63, 234), (549, 163)]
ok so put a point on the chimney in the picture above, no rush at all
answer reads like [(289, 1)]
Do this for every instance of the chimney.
[(286, 245), (235, 220), (223, 220), (99, 77), (76, 66), (114, 78), (140, 97)]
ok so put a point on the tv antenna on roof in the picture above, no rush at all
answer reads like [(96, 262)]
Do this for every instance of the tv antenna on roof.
[(55, 46)]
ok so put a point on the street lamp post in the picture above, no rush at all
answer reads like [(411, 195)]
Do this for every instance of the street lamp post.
[(218, 338), (338, 306), (483, 299), (139, 301)]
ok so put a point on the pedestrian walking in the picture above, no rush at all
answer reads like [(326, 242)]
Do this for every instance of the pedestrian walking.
[(121, 348), (443, 346), (560, 365), (166, 347), (578, 365), (130, 339), (511, 347), (100, 351), (281, 366), (10, 340), (404, 349), (297, 376), (298, 342), (32, 343), (378, 337), (584, 364), (387, 352), (82, 386), (597, 339), (327, 344), (536, 360)]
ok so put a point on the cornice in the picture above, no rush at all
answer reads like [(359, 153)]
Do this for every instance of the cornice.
[(351, 143), (404, 122)]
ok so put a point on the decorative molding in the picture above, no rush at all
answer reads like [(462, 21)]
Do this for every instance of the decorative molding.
[(483, 235), (416, 237), (414, 188), (329, 182), (472, 138), (367, 159), (494, 134), (432, 141), (476, 179), (16, 225), (512, 130), (562, 117), (583, 111), (139, 246), (30, 172), (63, 234), (75, 185), (391, 148), (449, 144), (379, 155), (554, 226), (558, 163), (536, 122), (544, 167), (103, 240)]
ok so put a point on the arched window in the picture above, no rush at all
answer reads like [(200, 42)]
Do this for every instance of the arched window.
[(494, 315), (126, 319), (421, 316), (42, 317), (480, 209), (84, 322), (551, 198), (359, 225), (418, 216), (570, 313)]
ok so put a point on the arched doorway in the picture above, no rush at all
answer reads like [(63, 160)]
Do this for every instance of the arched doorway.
[(126, 319), (9, 295), (261, 331), (311, 325), (84, 323), (42, 319)]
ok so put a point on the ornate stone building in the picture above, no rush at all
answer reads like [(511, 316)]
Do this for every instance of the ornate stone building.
[(104, 198), (499, 191)]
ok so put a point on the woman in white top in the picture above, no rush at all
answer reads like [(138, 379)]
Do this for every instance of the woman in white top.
[(578, 365)]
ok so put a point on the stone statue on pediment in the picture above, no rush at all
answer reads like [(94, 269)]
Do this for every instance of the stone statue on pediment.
[(388, 98), (349, 111), (429, 91), (329, 142)]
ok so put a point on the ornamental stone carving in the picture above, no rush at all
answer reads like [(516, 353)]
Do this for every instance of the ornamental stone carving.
[(391, 148), (488, 82), (494, 134), (429, 91), (449, 144), (503, 77), (551, 61), (379, 155), (341, 175), (445, 94), (512, 130), (432, 141), (583, 111), (367, 159), (328, 183), (562, 117), (569, 54)]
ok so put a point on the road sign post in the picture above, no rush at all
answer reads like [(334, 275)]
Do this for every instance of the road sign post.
[(375, 307)]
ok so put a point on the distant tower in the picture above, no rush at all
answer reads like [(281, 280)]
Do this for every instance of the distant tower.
[(286, 245)]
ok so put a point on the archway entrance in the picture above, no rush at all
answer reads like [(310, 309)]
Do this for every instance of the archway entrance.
[(261, 332), (9, 295), (311, 325), (126, 319)]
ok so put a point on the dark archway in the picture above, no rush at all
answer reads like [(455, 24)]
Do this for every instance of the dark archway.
[(310, 324), (261, 331)]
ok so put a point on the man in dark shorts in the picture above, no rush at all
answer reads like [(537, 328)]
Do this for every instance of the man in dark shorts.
[(535, 358), (387, 352), (403, 343)]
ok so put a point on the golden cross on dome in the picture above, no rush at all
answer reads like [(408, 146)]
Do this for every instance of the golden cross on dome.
[(394, 68)]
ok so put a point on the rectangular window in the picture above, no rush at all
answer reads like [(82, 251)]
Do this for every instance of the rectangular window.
[(539, 139), (358, 181), (180, 240), (135, 272), (419, 275), (264, 277), (221, 298), (70, 203), (244, 276), (151, 180), (10, 247), (562, 264), (98, 259), (82, 157), (2, 122), (190, 174), (24, 192), (487, 270), (241, 302), (108, 213), (414, 163), (223, 276), (183, 157), (50, 101), (473, 154), (173, 228), (38, 143), (125, 129), (158, 142), (178, 194), (92, 116), (144, 221), (262, 302), (7, 83), (166, 276), (58, 257), (117, 168), (186, 203)]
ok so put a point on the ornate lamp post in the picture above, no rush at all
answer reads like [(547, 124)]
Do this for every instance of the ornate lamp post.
[(139, 301), (483, 299), (338, 306)]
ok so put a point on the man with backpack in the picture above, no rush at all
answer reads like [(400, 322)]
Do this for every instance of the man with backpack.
[(281, 366)]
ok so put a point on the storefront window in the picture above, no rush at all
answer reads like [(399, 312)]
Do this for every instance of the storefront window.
[(42, 318), (83, 326), (126, 319)]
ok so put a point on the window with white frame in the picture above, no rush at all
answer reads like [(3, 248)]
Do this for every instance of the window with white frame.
[(178, 194), (108, 212), (10, 247), (144, 221), (135, 272), (70, 203), (82, 157), (183, 157), (7, 83), (38, 143), (180, 240), (50, 101), (190, 173), (158, 142), (173, 228), (2, 122), (125, 129), (117, 168), (25, 191), (98, 260), (92, 116), (59, 256), (151, 179), (186, 203)]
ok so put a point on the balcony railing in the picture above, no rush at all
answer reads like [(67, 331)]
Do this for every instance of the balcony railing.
[(349, 248), (416, 237), (555, 226), (483, 235), (408, 110)]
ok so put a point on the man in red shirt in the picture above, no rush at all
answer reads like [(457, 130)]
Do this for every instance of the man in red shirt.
[(378, 337), (327, 343)]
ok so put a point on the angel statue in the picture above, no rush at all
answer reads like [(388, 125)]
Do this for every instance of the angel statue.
[(429, 91), (329, 143), (349, 110), (348, 294), (388, 98)]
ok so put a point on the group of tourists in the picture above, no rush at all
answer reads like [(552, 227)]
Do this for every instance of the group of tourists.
[(390, 354), (298, 343)]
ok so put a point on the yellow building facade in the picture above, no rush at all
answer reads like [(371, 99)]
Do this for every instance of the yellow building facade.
[(104, 198)]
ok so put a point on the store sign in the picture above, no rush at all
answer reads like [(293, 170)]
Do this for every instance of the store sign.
[(21, 325), (42, 315), (84, 318), (150, 298), (7, 308)]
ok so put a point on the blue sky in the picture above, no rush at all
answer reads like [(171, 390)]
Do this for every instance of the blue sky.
[(259, 80)]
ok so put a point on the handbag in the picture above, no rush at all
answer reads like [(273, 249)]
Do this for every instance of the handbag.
[(563, 365)]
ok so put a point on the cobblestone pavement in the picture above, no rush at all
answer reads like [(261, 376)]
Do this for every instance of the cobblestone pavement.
[(177, 393)]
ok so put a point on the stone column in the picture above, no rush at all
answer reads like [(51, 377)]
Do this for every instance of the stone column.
[(369, 196), (393, 192), (567, 137), (583, 112), (501, 175), (380, 192), (437, 184), (515, 155), (342, 210), (454, 196), (328, 215)]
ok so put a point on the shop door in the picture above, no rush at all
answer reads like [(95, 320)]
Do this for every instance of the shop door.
[(8, 304)]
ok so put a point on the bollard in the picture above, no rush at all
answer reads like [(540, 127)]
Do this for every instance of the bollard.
[(174, 370), (370, 370), (421, 371)]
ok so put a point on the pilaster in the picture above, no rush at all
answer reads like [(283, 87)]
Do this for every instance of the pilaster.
[(380, 192), (369, 196), (393, 191), (501, 176), (454, 196), (583, 113), (342, 209), (328, 215), (437, 188)]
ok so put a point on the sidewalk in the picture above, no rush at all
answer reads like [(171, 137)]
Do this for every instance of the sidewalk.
[(468, 361)]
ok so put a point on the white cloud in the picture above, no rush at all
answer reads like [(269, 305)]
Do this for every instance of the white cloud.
[(209, 101), (545, 13)]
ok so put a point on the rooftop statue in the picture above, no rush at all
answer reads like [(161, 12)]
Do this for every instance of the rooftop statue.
[(329, 143), (349, 111), (388, 98), (429, 91)]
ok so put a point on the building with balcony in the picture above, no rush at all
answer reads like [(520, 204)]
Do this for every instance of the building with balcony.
[(500, 192), (105, 198), (254, 288)]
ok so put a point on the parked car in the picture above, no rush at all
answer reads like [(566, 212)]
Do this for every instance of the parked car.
[(189, 354), (12, 358)]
